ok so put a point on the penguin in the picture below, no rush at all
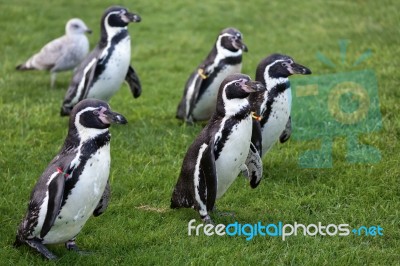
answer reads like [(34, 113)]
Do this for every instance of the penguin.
[(75, 183), (102, 72), (201, 89), (218, 154), (61, 54), (271, 108)]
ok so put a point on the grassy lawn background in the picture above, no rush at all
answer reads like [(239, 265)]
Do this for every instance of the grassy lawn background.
[(172, 39)]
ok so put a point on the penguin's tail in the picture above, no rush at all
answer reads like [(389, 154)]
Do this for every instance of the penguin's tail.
[(18, 242), (20, 237), (180, 199)]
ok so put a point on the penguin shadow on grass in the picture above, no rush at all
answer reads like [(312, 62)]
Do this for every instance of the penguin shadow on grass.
[(59, 252)]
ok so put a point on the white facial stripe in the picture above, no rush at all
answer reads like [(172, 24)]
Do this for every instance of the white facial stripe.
[(242, 82), (232, 106), (225, 52), (222, 53), (84, 132), (272, 82), (234, 81), (112, 31)]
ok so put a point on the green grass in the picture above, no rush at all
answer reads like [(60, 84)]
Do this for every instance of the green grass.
[(173, 37)]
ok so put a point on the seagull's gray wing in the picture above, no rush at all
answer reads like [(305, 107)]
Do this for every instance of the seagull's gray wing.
[(50, 53)]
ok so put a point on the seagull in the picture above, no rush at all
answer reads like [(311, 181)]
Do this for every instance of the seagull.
[(63, 53)]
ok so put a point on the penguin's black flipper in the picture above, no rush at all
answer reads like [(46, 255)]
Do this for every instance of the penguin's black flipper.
[(103, 203), (95, 65), (256, 136), (82, 78), (193, 87), (188, 101), (287, 131), (55, 197), (134, 83)]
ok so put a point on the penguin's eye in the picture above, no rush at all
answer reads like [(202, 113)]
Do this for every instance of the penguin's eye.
[(96, 112), (237, 84), (285, 64)]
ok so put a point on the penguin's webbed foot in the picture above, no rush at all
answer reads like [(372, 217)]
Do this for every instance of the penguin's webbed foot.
[(189, 121), (284, 137), (38, 246), (71, 245), (207, 219)]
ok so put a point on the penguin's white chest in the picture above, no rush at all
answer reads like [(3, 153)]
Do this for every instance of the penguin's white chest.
[(205, 106), (83, 198), (233, 155), (279, 116), (111, 79)]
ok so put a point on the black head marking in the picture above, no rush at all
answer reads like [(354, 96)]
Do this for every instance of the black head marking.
[(116, 17), (88, 111), (93, 113), (239, 86), (233, 86), (236, 86), (232, 40), (279, 66)]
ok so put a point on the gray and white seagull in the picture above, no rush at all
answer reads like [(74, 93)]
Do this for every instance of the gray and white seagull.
[(63, 53)]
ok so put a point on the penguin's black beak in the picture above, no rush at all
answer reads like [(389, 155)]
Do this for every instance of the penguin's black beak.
[(238, 44), (130, 17), (253, 86), (113, 117), (295, 68)]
